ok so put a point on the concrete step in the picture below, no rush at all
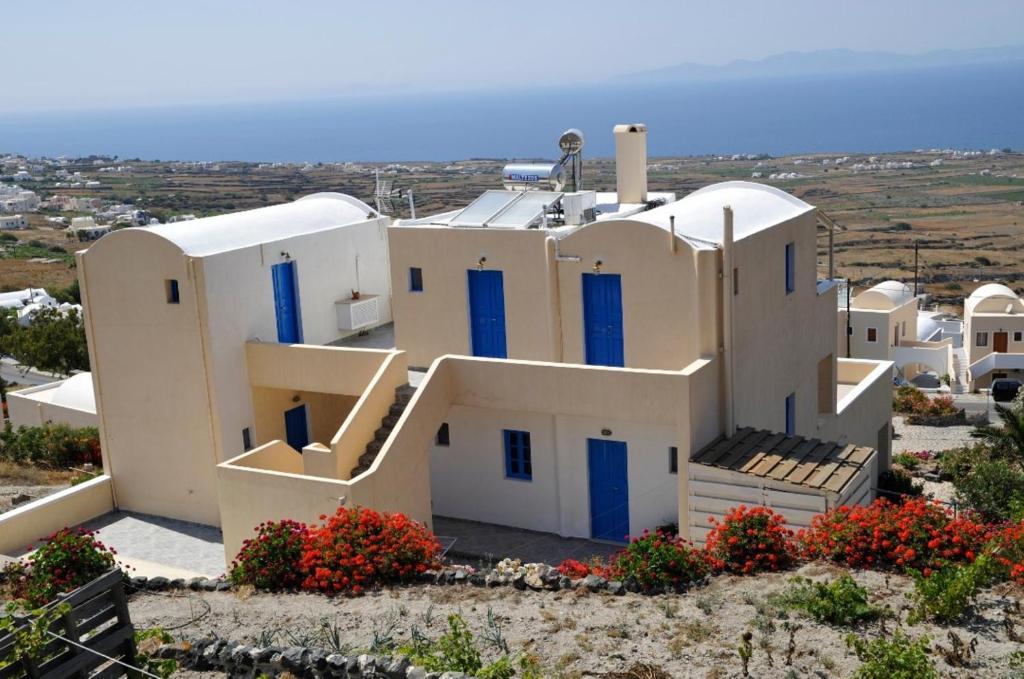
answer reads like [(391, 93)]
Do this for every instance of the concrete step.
[(404, 393), (397, 408)]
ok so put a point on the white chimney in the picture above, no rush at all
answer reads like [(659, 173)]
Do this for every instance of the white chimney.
[(631, 162)]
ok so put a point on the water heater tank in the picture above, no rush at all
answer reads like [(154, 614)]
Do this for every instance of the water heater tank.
[(533, 176)]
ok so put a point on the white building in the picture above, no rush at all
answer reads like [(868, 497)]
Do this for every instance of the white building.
[(13, 222), (71, 402)]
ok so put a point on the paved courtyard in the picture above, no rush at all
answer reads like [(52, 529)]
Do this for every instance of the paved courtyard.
[(153, 545), (485, 541)]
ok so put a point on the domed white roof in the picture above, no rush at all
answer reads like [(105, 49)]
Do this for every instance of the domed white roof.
[(993, 290), (885, 295), (76, 392), (699, 215), (211, 235)]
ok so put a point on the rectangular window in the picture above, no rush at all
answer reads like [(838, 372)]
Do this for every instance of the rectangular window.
[(791, 414), (172, 291), (790, 267), (441, 438), (981, 339), (415, 279), (736, 281), (1018, 336), (518, 463), (673, 460), (246, 439), (872, 334), (903, 329)]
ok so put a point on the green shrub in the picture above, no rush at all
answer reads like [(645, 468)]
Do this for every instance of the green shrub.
[(148, 640), (945, 594), (956, 463), (899, 657), (270, 560), (53, 445), (67, 560), (660, 560), (906, 460), (993, 488), (456, 651), (909, 399), (897, 480), (840, 602)]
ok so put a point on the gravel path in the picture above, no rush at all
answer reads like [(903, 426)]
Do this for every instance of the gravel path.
[(910, 437), (577, 634)]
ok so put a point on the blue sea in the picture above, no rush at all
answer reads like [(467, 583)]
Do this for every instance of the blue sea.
[(962, 107)]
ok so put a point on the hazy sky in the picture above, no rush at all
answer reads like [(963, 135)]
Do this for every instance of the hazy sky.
[(71, 54)]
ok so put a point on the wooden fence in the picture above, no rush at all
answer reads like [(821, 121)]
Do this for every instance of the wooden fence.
[(97, 621)]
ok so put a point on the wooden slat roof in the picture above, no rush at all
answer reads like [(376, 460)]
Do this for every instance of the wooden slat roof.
[(811, 463)]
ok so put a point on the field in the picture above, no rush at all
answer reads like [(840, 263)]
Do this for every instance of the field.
[(964, 213)]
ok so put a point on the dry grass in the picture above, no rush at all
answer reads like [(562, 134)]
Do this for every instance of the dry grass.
[(28, 475)]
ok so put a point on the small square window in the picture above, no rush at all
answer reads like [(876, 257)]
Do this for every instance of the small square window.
[(872, 334), (415, 279), (1018, 336), (673, 460), (171, 288), (981, 339), (246, 439), (442, 438), (518, 459)]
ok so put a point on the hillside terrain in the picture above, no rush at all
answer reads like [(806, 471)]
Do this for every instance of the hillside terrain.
[(965, 210)]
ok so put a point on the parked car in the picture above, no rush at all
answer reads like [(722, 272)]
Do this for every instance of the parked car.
[(1005, 390)]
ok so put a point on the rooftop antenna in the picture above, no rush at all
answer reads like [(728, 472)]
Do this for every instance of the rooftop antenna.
[(571, 143), (384, 195)]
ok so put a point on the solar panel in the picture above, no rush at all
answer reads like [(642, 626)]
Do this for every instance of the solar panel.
[(483, 208), (527, 209)]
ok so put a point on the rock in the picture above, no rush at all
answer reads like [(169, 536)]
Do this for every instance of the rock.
[(415, 673), (519, 582), (208, 585), (594, 583), (536, 579), (367, 664), (551, 578), (194, 583), (20, 499), (336, 664), (565, 582), (294, 658), (493, 579), (617, 588), (478, 580), (157, 583), (352, 665), (177, 583), (263, 655), (453, 675), (222, 586), (631, 584), (460, 576), (397, 668), (139, 581)]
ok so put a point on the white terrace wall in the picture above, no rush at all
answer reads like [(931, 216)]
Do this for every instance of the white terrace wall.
[(562, 406), (22, 526)]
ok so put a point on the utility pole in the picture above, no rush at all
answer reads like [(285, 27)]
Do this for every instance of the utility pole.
[(915, 268), (849, 326)]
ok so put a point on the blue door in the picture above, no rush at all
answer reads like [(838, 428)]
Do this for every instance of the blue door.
[(286, 303), (296, 427), (602, 319), (487, 313), (609, 489)]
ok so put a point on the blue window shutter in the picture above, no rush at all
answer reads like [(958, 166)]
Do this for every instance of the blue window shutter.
[(518, 458), (415, 279), (791, 414), (790, 267)]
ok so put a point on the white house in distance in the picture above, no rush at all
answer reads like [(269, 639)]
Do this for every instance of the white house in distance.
[(885, 323), (993, 334), (597, 363), (13, 222), (71, 402)]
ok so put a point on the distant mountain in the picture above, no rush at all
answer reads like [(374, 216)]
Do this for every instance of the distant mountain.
[(826, 62)]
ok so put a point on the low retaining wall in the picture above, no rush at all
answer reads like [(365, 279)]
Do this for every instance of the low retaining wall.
[(22, 527)]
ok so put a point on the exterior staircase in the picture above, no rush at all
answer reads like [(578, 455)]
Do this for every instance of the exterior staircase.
[(402, 396), (959, 385)]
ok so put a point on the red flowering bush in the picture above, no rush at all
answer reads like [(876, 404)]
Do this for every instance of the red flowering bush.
[(660, 559), (67, 560), (1008, 551), (749, 541), (271, 559), (359, 548), (917, 534), (574, 569)]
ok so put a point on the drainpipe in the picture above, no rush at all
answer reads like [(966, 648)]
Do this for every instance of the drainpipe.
[(672, 233), (727, 320)]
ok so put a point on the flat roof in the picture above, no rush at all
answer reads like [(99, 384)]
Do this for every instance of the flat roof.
[(810, 463)]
